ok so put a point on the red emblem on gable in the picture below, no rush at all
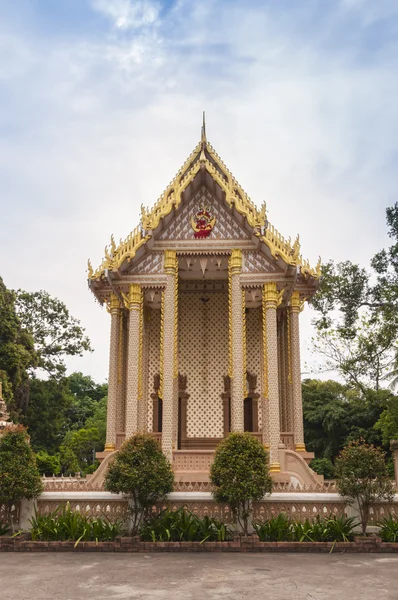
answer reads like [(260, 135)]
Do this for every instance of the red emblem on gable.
[(203, 223)]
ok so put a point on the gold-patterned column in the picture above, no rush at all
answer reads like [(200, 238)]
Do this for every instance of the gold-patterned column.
[(236, 341), (134, 359), (143, 406), (270, 342), (169, 335), (295, 306), (115, 311)]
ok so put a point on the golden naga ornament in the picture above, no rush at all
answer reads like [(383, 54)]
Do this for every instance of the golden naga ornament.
[(203, 222)]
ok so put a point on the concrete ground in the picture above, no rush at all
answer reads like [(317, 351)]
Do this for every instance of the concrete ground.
[(196, 576)]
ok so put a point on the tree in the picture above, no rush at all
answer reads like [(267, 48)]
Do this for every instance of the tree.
[(48, 464), (335, 413), (141, 471), (363, 308), (363, 477), (388, 421), (239, 475), (17, 354), (86, 395), (55, 332), (83, 443), (46, 415), (19, 475)]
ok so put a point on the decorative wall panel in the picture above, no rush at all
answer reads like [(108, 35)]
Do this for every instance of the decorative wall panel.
[(253, 349), (226, 227), (203, 357), (153, 331)]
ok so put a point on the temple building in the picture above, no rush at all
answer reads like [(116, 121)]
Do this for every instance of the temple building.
[(204, 300)]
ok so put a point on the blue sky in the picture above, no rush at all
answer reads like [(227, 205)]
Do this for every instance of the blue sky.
[(101, 102)]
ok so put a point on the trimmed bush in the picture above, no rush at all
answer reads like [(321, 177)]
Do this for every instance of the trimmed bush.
[(19, 475), (363, 477), (239, 475), (323, 466), (140, 471)]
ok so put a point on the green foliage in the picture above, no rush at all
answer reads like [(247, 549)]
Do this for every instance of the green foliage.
[(239, 474), (323, 466), (388, 421), (55, 332), (83, 444), (63, 524), (46, 413), (140, 470), (357, 318), (183, 526), (335, 414), (48, 464), (363, 477), (4, 529), (388, 529), (68, 460), (17, 354), (19, 476), (284, 529)]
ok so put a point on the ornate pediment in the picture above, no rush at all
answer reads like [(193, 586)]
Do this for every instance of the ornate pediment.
[(236, 217), (224, 228)]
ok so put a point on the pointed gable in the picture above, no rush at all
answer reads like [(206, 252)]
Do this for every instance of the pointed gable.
[(237, 217)]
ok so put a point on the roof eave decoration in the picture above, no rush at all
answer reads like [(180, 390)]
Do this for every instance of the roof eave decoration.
[(204, 157)]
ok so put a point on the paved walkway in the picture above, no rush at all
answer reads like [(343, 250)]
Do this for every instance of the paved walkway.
[(198, 576)]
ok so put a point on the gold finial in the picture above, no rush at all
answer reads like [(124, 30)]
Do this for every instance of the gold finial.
[(203, 136)]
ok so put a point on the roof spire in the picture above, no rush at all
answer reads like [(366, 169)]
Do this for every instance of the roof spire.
[(204, 140)]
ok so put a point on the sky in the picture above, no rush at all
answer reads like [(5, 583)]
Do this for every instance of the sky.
[(101, 102)]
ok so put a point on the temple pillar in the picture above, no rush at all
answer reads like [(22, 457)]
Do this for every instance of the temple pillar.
[(143, 404), (115, 311), (169, 362), (134, 359), (236, 342), (271, 391), (298, 424)]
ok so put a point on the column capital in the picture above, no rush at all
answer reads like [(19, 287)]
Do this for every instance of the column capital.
[(114, 303), (236, 261), (295, 301), (271, 297), (170, 262), (134, 297)]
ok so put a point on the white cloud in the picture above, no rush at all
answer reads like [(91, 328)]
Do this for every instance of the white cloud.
[(93, 126), (128, 14)]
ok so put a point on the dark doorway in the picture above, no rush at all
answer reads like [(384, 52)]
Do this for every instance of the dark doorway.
[(248, 414), (160, 415), (179, 425)]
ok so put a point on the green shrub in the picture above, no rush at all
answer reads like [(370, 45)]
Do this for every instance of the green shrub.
[(183, 526), (388, 529), (363, 477), (284, 529), (141, 471), (239, 475), (323, 466), (63, 524), (276, 529)]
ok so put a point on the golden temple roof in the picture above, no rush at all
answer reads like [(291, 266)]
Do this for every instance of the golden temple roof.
[(203, 157)]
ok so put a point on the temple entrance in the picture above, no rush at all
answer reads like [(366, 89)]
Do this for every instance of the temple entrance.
[(248, 414)]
